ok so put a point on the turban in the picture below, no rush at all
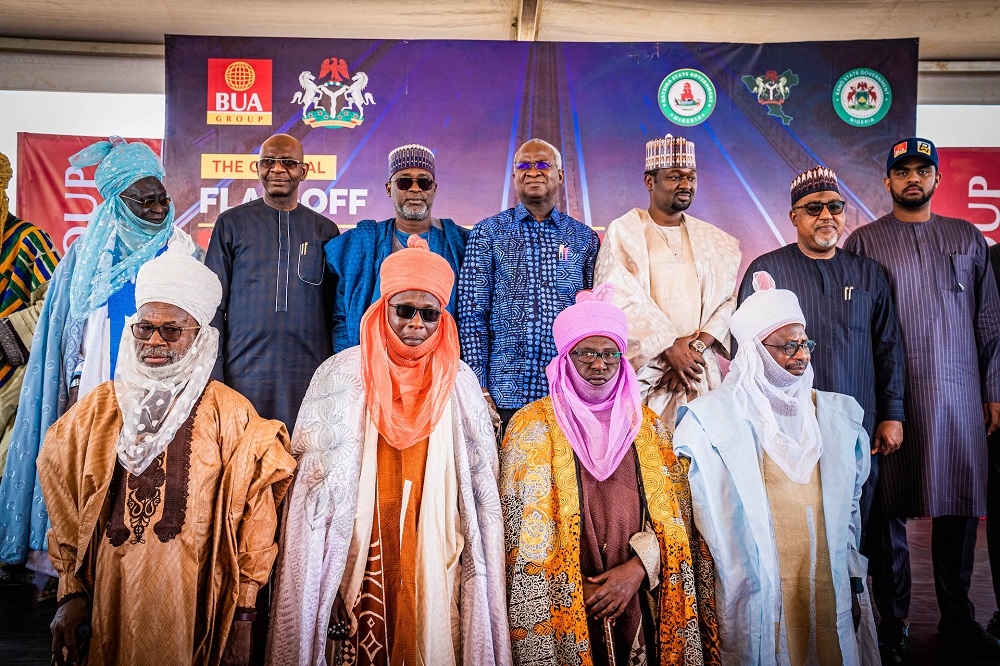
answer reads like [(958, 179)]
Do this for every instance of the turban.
[(179, 279), (416, 267), (669, 153), (600, 422), (119, 164), (818, 179), (765, 311), (412, 156)]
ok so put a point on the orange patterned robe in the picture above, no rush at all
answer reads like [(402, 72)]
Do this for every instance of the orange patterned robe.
[(541, 501)]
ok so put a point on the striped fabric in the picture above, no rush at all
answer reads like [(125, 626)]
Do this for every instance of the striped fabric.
[(949, 313), (27, 260)]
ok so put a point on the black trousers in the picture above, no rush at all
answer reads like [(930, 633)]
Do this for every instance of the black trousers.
[(953, 546), (868, 546), (505, 416), (993, 511)]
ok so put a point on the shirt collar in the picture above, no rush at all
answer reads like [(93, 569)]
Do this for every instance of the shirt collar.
[(521, 214)]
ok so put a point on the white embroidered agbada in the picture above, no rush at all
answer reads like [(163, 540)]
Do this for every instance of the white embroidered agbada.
[(657, 272), (328, 523)]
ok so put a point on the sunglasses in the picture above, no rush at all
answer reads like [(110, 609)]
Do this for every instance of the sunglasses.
[(167, 332), (407, 312), (814, 208), (265, 163), (792, 348), (149, 204), (404, 183), (527, 166)]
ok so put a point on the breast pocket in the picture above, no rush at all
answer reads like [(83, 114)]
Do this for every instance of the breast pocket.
[(859, 310), (954, 272), (310, 264)]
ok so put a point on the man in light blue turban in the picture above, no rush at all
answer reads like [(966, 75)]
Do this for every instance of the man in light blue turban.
[(75, 347)]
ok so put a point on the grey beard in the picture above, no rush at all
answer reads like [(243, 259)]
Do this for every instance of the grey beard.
[(413, 215)]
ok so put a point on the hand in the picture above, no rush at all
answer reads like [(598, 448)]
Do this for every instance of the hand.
[(238, 645), (74, 394), (888, 437), (339, 612), (671, 381), (68, 619), (607, 594), (494, 412), (991, 410), (686, 362), (856, 611)]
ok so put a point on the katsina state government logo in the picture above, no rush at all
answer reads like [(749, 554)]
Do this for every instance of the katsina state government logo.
[(772, 90), (687, 97), (862, 97), (339, 101)]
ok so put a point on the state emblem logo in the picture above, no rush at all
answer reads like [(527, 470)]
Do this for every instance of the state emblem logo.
[(337, 102), (239, 91), (687, 97), (773, 90), (862, 97)]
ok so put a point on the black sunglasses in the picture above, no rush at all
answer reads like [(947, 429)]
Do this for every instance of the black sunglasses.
[(148, 204), (167, 332), (814, 208), (404, 183), (407, 312)]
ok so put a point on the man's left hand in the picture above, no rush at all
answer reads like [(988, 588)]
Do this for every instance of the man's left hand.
[(888, 437), (237, 652), (615, 588), (991, 410)]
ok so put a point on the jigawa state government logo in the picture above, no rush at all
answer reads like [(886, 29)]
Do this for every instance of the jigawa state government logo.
[(862, 97), (687, 97)]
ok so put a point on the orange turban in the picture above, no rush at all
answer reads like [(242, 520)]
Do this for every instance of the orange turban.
[(416, 267), (407, 388)]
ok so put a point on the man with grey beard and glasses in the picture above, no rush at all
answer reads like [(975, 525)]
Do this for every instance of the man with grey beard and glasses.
[(162, 489), (354, 257)]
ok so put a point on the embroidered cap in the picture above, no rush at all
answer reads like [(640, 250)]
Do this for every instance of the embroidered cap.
[(817, 179), (411, 156), (670, 152)]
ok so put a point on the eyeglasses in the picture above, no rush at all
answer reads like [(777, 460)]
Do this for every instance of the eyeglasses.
[(590, 357), (404, 183), (167, 332), (792, 348), (149, 204), (266, 163), (429, 315), (814, 208), (527, 166)]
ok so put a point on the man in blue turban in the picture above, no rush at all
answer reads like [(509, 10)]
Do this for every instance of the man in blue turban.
[(76, 342)]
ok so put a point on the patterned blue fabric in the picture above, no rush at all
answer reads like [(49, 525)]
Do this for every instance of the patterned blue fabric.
[(354, 258), (517, 276), (113, 227)]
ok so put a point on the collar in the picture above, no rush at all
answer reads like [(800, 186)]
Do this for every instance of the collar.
[(521, 214)]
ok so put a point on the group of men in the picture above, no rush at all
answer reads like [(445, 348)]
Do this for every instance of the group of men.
[(643, 505)]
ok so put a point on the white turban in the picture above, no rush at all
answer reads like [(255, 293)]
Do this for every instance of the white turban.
[(177, 278), (765, 311)]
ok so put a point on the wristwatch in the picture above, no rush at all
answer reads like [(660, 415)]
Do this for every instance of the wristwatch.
[(698, 346)]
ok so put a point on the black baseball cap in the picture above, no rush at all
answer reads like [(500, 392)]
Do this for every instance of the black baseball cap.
[(912, 147)]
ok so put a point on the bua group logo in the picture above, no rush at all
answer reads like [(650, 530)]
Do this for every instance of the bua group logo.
[(239, 92)]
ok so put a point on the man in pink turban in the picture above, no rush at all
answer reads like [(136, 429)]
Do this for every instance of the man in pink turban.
[(597, 513)]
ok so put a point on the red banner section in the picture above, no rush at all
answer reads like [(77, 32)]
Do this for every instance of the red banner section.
[(970, 188), (58, 197)]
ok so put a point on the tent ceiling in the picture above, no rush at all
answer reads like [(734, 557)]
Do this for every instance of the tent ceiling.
[(948, 29)]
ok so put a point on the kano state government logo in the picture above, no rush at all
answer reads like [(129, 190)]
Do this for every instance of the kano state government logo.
[(339, 101), (862, 97), (239, 91), (773, 90), (687, 97)]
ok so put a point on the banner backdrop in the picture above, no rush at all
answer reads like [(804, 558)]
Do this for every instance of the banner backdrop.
[(53, 195), (970, 187), (758, 114)]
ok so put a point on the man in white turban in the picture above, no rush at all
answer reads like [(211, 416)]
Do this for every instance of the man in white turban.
[(162, 488), (776, 475)]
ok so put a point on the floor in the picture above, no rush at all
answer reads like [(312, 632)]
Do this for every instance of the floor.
[(25, 639)]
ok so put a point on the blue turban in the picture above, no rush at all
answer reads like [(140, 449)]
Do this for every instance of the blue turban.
[(117, 242)]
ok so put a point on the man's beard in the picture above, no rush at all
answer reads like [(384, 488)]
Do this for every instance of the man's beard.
[(411, 214), (145, 351), (681, 206), (913, 204)]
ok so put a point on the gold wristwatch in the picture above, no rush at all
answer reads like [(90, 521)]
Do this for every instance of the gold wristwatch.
[(698, 346)]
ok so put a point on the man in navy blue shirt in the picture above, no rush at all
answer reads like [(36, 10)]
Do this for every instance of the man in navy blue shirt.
[(522, 268)]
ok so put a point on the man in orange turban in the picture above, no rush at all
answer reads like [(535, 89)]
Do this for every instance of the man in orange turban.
[(392, 550)]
